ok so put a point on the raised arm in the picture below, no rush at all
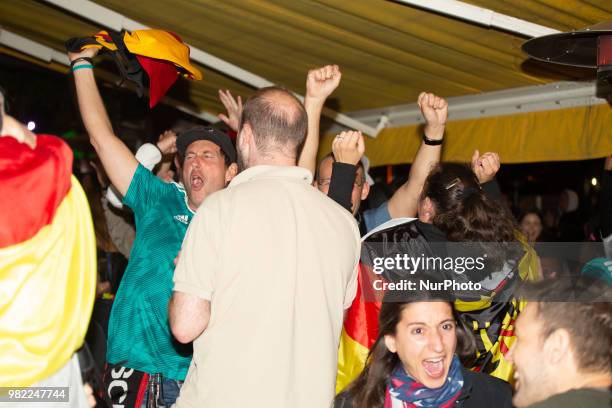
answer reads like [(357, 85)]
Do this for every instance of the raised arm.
[(348, 148), (485, 167), (118, 161), (233, 107), (404, 201), (166, 143), (320, 83)]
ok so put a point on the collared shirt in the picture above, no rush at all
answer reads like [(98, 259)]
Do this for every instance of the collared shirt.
[(278, 261)]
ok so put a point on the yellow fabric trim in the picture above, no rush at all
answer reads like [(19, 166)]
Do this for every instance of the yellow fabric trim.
[(47, 289), (96, 46), (102, 42), (564, 134), (529, 270), (351, 360), (505, 369), (529, 265), (463, 306)]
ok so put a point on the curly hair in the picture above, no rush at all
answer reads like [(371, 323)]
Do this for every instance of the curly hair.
[(462, 210), (465, 214)]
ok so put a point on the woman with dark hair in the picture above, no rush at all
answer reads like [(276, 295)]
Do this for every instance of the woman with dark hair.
[(454, 208), (456, 219), (414, 362), (454, 201), (531, 225)]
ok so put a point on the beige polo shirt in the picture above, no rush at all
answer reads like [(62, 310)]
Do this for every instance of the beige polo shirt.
[(278, 261)]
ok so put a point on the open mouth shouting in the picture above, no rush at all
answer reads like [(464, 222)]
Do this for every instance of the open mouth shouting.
[(434, 367), (196, 181)]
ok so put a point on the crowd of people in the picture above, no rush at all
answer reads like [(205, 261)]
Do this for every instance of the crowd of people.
[(237, 272)]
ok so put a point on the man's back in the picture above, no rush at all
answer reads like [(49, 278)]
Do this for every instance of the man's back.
[(277, 259)]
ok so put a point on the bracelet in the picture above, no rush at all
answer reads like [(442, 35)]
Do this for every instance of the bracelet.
[(80, 59), (82, 67), (431, 142)]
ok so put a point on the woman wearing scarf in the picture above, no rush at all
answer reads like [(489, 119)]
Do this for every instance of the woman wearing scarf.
[(458, 217), (414, 362)]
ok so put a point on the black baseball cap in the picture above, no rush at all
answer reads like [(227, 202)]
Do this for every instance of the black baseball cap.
[(206, 133)]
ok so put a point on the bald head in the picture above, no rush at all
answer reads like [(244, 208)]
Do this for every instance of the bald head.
[(277, 119)]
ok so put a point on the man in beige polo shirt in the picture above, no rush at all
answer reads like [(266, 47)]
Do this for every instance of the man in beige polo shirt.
[(266, 270)]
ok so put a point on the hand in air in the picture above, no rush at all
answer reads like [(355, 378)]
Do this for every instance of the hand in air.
[(321, 82), (233, 106), (486, 166), (348, 147)]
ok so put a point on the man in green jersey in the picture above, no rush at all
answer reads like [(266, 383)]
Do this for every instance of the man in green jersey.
[(140, 343)]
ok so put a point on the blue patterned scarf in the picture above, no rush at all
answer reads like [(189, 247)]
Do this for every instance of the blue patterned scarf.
[(403, 391)]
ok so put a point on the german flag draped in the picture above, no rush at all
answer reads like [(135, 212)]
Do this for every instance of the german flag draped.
[(157, 55), (47, 260), (358, 335), (490, 314)]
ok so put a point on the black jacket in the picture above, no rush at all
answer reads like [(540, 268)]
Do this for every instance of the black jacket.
[(479, 391)]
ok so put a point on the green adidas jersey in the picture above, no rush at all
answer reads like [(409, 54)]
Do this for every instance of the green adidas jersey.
[(139, 334)]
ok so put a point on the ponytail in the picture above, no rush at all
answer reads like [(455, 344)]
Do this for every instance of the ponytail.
[(465, 214)]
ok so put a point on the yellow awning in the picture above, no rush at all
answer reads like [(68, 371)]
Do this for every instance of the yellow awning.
[(557, 135), (388, 52)]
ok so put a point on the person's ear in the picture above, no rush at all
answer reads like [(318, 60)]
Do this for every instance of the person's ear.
[(231, 172), (244, 142), (245, 137), (427, 210), (390, 343), (557, 347), (365, 190)]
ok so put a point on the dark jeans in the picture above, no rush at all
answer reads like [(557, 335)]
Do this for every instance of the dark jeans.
[(129, 388), (170, 389)]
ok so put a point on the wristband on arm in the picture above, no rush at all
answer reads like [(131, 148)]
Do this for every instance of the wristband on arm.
[(86, 59), (431, 142)]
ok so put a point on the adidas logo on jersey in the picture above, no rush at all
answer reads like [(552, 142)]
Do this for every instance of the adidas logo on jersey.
[(182, 218)]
